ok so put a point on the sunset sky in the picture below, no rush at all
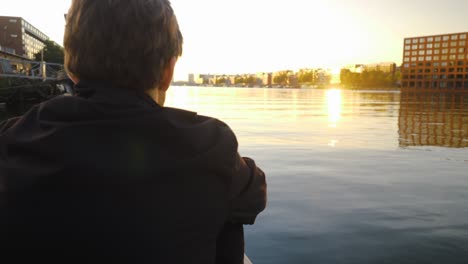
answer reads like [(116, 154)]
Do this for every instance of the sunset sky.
[(240, 36)]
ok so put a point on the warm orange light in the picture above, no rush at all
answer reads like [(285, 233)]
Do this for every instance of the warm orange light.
[(178, 97), (334, 103)]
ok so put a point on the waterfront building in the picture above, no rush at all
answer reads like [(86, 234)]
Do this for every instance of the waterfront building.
[(323, 77), (436, 62), (207, 79), (264, 79), (387, 67), (293, 81), (10, 63), (7, 50), (231, 79), (8, 54), (191, 79), (19, 37), (202, 79)]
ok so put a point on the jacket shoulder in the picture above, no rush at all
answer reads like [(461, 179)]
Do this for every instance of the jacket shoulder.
[(187, 119), (207, 135)]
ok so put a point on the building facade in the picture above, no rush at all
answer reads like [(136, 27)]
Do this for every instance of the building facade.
[(20, 37), (436, 62), (387, 67)]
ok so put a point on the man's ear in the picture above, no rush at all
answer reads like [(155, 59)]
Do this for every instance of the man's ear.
[(168, 74)]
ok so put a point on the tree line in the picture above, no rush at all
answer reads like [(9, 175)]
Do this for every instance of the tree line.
[(52, 53), (369, 79)]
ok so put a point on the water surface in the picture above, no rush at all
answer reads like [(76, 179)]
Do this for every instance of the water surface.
[(354, 176)]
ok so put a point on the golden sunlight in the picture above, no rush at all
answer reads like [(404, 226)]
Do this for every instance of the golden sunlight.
[(178, 97), (334, 103)]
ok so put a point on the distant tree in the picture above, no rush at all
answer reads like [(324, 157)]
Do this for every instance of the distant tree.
[(397, 77), (347, 77), (364, 79), (389, 79), (281, 78), (369, 79), (239, 80), (52, 53), (306, 76), (221, 81), (344, 76), (250, 81)]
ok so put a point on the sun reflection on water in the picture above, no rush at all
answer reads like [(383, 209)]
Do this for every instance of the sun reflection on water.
[(334, 104)]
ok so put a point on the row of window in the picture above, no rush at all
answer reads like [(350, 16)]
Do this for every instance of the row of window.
[(32, 46), (440, 64), (461, 43), (436, 52), (31, 41), (435, 39), (30, 28), (34, 30), (436, 76), (437, 70), (436, 58), (32, 52)]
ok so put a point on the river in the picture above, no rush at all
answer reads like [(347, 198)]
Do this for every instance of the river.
[(354, 177)]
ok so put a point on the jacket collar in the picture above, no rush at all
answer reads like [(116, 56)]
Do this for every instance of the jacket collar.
[(105, 92)]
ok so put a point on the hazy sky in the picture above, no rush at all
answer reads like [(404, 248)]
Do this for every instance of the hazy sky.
[(235, 36)]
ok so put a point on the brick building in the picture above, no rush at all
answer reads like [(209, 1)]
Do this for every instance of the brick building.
[(436, 62), (20, 37)]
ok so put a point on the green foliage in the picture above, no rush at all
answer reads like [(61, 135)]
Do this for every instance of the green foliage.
[(53, 53), (221, 81), (368, 79), (306, 76), (250, 81), (281, 78), (397, 77), (239, 80), (246, 80)]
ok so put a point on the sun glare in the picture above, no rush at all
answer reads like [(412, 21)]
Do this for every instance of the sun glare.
[(334, 103), (179, 97)]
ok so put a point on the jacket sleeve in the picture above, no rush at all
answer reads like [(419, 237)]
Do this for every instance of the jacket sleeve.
[(249, 192), (7, 124)]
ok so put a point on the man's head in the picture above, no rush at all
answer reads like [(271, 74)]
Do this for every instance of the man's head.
[(130, 43)]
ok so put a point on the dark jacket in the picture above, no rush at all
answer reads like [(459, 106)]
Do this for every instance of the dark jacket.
[(109, 176)]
